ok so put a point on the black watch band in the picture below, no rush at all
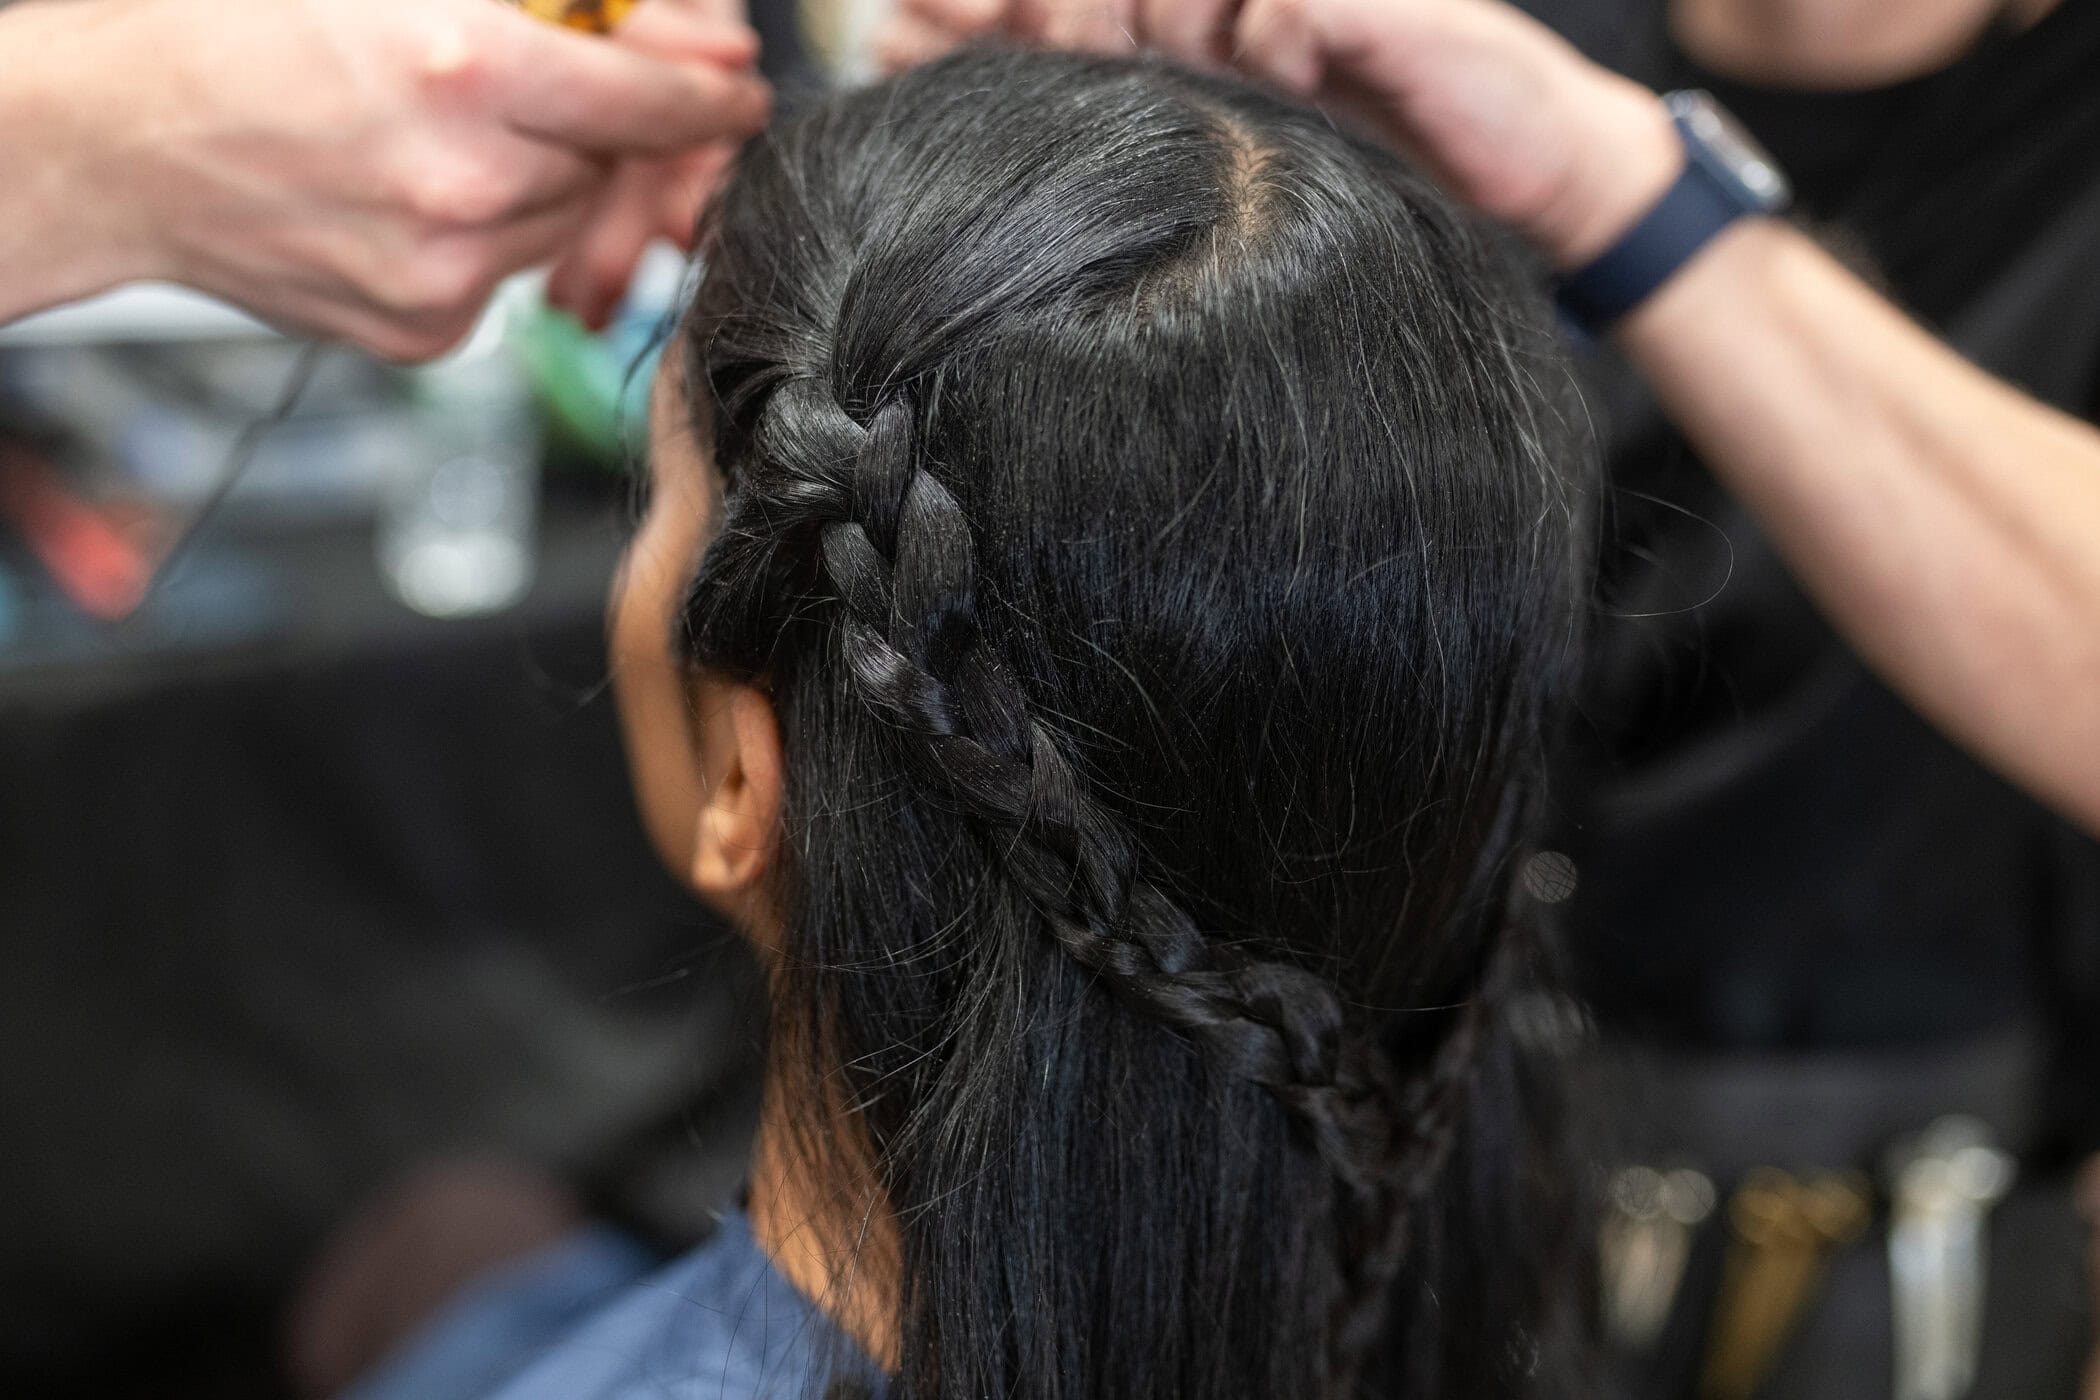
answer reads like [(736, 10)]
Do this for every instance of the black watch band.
[(1726, 176)]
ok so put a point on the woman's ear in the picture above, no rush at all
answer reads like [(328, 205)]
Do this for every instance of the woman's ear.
[(738, 833)]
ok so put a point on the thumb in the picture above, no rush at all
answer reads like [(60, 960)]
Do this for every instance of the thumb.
[(1275, 40), (573, 90), (705, 30)]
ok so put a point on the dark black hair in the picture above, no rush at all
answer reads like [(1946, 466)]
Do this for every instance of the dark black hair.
[(1153, 515)]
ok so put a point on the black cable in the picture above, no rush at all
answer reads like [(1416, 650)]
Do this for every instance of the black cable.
[(238, 459)]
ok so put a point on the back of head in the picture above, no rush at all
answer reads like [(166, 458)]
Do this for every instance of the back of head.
[(1144, 509)]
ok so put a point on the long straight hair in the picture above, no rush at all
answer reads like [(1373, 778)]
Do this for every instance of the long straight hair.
[(1152, 513)]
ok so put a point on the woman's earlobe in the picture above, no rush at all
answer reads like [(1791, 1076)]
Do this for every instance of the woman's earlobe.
[(739, 827)]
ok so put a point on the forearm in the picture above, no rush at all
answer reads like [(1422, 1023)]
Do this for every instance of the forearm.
[(62, 236), (1947, 524)]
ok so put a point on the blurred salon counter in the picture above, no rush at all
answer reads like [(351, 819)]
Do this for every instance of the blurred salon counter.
[(301, 889)]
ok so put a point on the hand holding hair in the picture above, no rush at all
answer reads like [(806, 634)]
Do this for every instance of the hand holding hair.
[(1944, 520), (1509, 116), (361, 169), (649, 197)]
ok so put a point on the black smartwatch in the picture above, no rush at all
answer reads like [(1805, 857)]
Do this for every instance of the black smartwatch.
[(1727, 176)]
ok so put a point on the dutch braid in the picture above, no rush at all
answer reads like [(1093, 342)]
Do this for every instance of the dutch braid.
[(893, 548), (1070, 408)]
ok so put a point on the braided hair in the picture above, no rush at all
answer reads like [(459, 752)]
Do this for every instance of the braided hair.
[(1143, 507)]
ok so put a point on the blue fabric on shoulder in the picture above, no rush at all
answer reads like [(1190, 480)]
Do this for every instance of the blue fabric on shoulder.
[(584, 1320)]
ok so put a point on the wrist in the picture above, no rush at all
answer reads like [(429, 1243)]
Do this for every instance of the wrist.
[(1752, 267), (1628, 156), (64, 79)]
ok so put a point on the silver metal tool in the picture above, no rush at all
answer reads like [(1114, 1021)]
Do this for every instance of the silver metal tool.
[(1647, 1237), (1942, 1186)]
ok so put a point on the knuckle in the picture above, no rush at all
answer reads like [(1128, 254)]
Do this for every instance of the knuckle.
[(608, 270), (453, 284), (438, 283), (457, 193), (450, 58), (428, 339), (402, 344), (894, 50)]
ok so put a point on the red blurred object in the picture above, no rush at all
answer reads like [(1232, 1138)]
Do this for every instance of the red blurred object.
[(92, 559)]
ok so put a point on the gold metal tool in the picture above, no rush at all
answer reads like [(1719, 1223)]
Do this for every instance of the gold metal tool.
[(590, 16), (1784, 1232)]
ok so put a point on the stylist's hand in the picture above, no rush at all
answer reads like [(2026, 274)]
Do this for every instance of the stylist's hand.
[(649, 197), (369, 169), (1507, 114)]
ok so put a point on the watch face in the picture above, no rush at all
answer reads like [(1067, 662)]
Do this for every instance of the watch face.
[(1734, 150)]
